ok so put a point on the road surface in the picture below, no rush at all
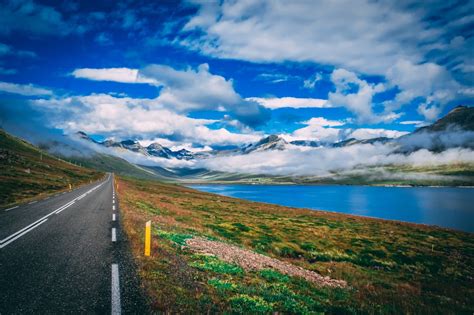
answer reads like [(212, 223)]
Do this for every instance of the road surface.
[(68, 254)]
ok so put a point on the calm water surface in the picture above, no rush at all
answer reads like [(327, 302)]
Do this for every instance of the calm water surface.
[(447, 207)]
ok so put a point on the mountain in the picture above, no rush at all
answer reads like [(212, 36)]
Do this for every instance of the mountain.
[(353, 141), (306, 143), (461, 117), (154, 149), (26, 171), (272, 142)]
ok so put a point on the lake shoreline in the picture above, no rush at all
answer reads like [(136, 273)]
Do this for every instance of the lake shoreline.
[(411, 206)]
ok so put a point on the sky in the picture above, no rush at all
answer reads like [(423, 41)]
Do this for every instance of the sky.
[(204, 74)]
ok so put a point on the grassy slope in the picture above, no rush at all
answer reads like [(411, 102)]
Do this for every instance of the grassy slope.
[(26, 171), (110, 163), (392, 267)]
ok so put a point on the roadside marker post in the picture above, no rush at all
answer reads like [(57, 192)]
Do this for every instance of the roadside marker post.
[(70, 187), (147, 238)]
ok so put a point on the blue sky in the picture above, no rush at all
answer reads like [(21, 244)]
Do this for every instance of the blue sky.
[(206, 74)]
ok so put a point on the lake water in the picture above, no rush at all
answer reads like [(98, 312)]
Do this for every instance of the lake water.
[(446, 207)]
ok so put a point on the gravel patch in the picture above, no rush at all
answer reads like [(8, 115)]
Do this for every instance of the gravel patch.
[(250, 260)]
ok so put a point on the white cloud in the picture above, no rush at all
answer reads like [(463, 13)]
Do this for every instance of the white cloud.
[(417, 123), (191, 89), (369, 36), (322, 161), (128, 117), (429, 81), (321, 121), (370, 133), (24, 89), (357, 96), (185, 90), (310, 83), (322, 129), (293, 102), (122, 75)]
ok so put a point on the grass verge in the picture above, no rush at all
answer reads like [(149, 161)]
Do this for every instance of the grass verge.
[(390, 267)]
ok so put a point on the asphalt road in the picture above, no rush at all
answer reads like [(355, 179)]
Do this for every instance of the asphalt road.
[(68, 254)]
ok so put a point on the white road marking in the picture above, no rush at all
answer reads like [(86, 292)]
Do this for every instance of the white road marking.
[(65, 207), (113, 217), (116, 307), (7, 240), (113, 200), (23, 233), (114, 235), (46, 198), (11, 208), (33, 202), (113, 208)]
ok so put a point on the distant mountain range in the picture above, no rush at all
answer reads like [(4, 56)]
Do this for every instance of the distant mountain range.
[(454, 130), (460, 118)]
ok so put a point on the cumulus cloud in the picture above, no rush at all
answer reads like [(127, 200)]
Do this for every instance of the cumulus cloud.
[(24, 89), (371, 35), (128, 117), (291, 102), (357, 96), (429, 81), (398, 41), (185, 90)]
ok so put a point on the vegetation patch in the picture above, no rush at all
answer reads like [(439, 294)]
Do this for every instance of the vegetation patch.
[(213, 264), (390, 267)]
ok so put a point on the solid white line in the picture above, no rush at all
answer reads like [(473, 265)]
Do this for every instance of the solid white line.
[(11, 208), (20, 235), (113, 217), (65, 207), (33, 202), (21, 232), (114, 235), (116, 307)]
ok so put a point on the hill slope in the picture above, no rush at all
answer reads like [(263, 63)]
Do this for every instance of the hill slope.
[(26, 171)]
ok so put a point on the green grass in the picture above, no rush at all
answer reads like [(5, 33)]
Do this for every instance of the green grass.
[(26, 172), (390, 267)]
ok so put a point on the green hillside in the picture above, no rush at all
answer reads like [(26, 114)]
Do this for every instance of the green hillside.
[(110, 163), (26, 171)]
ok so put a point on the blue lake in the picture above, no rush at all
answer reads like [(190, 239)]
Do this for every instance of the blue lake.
[(446, 207)]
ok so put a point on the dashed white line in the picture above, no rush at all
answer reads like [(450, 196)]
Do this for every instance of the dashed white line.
[(113, 207), (116, 307), (113, 217), (114, 235), (30, 203), (11, 208)]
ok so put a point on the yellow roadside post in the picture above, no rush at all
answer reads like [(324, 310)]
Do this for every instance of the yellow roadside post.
[(70, 187), (147, 238)]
